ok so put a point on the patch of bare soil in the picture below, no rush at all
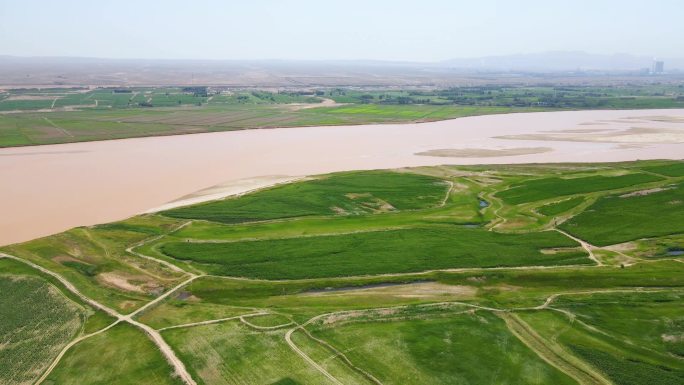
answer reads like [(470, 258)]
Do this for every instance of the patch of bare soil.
[(672, 338), (411, 290), (325, 103), (66, 258), (622, 247), (138, 284), (557, 250), (645, 192), (484, 152), (31, 97)]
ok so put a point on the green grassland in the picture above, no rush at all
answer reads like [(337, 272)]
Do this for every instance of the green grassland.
[(95, 261), (393, 277), (539, 189), (342, 194), (650, 320), (673, 170), (250, 357), (37, 322), (560, 207), (621, 362), (121, 355), (621, 218), (468, 348), (46, 116), (377, 252)]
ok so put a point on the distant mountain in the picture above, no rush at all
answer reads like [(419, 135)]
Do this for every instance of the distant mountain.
[(514, 69), (562, 61)]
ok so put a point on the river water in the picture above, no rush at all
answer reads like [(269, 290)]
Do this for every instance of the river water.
[(48, 189)]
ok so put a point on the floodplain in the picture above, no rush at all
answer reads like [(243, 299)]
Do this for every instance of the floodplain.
[(447, 269)]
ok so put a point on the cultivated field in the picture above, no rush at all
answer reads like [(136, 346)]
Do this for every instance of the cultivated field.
[(510, 274), (62, 115)]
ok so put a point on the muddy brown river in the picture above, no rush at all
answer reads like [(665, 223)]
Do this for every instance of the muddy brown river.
[(48, 189)]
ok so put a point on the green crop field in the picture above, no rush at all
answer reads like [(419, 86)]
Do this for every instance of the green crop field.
[(342, 194), (618, 360), (560, 207), (621, 218), (540, 189), (394, 251), (46, 116), (373, 277), (121, 355), (456, 349), (673, 170), (254, 357), (37, 322)]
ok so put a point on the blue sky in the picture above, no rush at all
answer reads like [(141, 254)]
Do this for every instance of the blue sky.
[(426, 30)]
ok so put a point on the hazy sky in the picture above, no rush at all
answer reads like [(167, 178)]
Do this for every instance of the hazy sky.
[(419, 30)]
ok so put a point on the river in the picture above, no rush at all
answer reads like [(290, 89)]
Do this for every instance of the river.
[(49, 189)]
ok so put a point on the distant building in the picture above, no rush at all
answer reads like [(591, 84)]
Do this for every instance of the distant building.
[(658, 67)]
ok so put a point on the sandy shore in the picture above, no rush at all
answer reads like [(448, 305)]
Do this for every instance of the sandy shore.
[(48, 189)]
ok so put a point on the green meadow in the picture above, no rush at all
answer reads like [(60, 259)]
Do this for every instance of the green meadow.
[(374, 277), (63, 115)]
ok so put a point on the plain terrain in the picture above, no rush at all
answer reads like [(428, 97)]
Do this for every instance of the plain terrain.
[(459, 273), (32, 116)]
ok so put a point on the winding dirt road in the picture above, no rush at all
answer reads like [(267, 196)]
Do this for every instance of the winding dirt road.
[(166, 350)]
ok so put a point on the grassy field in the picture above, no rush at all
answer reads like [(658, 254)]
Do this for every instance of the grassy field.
[(393, 277), (621, 218), (622, 363), (36, 127), (46, 116), (244, 356), (122, 355), (650, 320), (540, 189), (95, 261), (339, 194), (466, 349), (37, 322), (395, 251), (560, 207), (673, 170)]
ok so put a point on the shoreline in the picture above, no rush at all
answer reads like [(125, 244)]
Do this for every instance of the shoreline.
[(412, 122), (53, 189)]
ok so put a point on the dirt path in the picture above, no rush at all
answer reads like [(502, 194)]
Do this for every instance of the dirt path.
[(212, 321), (166, 350), (69, 346), (343, 357), (553, 297), (288, 339), (155, 238), (60, 129), (553, 353), (448, 194), (585, 245), (424, 272), (262, 328), (293, 346)]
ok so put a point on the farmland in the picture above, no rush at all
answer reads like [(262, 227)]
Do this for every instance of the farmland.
[(621, 218), (567, 274), (343, 194), (376, 252), (63, 115), (37, 322)]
